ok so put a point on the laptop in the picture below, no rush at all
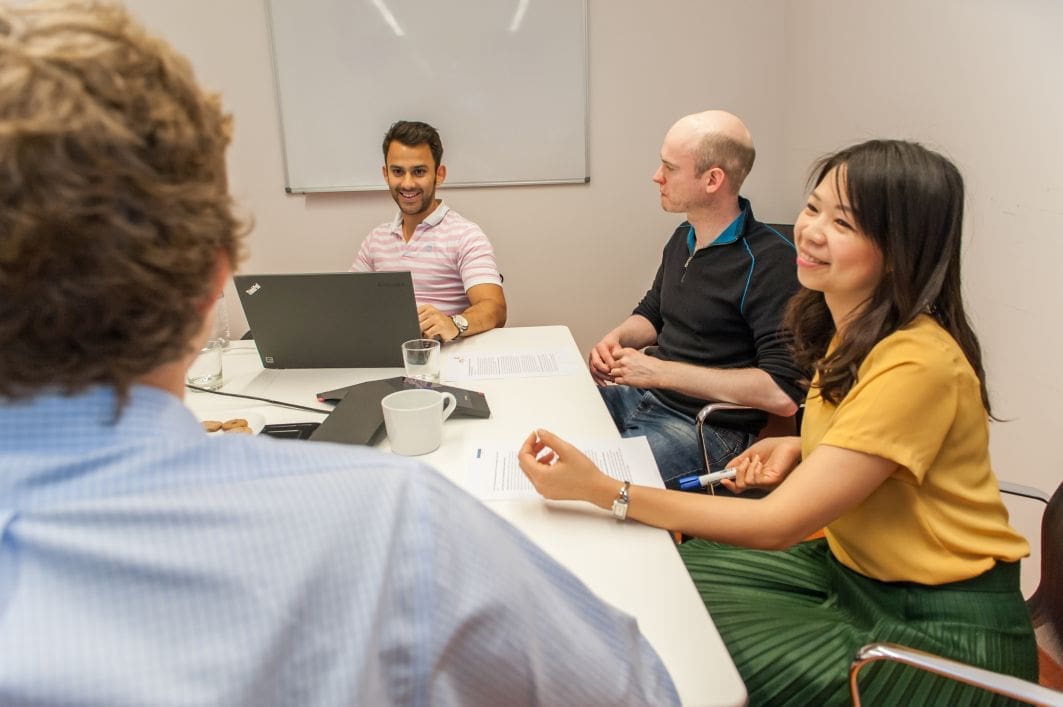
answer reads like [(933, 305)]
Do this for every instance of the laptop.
[(330, 320)]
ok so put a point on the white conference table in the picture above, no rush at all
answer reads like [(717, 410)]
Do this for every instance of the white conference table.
[(632, 566)]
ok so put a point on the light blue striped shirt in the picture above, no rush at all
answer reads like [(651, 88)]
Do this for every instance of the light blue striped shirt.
[(145, 563)]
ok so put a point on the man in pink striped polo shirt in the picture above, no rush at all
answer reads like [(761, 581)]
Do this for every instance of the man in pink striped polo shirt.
[(455, 278)]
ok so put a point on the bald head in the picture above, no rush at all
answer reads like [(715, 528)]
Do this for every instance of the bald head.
[(717, 138)]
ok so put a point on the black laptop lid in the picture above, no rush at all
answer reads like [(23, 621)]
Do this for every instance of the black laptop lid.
[(330, 320)]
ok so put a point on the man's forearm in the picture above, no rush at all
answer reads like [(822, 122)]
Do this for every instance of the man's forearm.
[(636, 332), (484, 316), (744, 386)]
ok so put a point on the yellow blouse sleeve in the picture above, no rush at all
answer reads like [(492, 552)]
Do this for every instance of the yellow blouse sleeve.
[(902, 405)]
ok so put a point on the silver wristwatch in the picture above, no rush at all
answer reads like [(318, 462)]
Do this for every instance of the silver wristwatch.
[(620, 504), (461, 323)]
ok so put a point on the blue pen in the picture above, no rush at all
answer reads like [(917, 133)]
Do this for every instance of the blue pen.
[(689, 483)]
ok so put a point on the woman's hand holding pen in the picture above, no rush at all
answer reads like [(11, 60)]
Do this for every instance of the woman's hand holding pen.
[(765, 464), (561, 472)]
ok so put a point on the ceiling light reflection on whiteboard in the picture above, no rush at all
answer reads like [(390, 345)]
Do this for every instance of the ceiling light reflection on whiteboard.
[(390, 18), (518, 16)]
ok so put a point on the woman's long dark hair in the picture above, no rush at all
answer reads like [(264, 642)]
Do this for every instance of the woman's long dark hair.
[(909, 201)]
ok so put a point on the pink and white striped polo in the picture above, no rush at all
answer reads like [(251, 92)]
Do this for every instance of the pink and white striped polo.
[(446, 255)]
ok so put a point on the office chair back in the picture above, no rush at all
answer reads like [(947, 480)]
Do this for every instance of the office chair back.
[(786, 229), (1046, 604)]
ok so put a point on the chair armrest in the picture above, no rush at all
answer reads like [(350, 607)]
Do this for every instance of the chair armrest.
[(1025, 491), (733, 415), (999, 683), (726, 415)]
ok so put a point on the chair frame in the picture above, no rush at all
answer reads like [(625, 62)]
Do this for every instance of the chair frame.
[(703, 415), (1007, 685), (743, 411)]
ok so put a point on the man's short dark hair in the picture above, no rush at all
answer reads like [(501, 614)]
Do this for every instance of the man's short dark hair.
[(732, 156), (413, 133)]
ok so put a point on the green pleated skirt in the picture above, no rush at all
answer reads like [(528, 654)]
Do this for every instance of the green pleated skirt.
[(794, 619)]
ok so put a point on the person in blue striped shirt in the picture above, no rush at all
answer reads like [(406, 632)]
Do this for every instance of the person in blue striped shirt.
[(142, 562)]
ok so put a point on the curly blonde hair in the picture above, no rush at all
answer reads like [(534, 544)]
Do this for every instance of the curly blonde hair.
[(114, 208)]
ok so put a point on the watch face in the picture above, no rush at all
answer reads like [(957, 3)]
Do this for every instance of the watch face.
[(461, 322)]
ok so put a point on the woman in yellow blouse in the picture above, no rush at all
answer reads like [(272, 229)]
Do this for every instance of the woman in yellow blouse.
[(893, 460)]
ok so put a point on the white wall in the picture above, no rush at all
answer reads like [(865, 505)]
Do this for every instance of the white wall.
[(975, 78)]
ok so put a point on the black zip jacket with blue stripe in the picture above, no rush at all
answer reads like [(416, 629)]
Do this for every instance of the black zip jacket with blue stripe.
[(722, 306)]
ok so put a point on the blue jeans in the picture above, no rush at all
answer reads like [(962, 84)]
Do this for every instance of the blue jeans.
[(672, 435)]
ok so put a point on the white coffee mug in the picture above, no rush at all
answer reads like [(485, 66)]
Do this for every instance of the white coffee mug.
[(414, 419)]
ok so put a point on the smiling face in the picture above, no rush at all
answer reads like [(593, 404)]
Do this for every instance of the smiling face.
[(833, 255), (412, 176)]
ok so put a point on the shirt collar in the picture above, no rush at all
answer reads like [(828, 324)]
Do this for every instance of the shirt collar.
[(430, 220), (730, 234)]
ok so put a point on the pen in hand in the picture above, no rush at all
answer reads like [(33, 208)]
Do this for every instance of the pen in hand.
[(692, 482)]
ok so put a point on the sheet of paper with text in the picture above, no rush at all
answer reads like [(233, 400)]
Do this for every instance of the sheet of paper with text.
[(495, 474)]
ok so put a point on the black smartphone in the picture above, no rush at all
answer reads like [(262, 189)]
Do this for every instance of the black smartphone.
[(291, 430)]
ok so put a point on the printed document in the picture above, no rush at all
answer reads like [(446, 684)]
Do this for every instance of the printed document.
[(495, 474), (522, 364)]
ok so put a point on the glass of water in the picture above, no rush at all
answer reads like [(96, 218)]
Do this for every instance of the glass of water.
[(421, 359), (205, 371)]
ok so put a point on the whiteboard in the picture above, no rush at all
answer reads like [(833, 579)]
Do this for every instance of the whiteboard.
[(504, 82)]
